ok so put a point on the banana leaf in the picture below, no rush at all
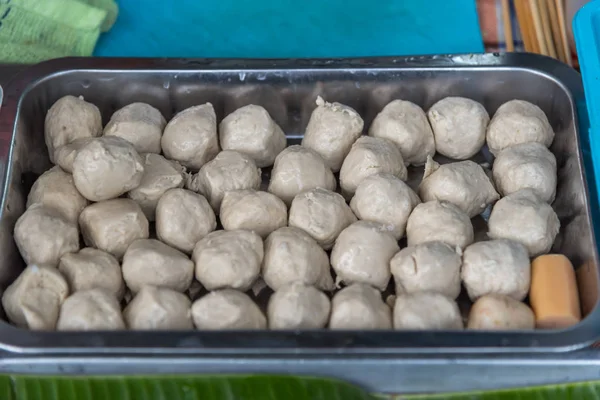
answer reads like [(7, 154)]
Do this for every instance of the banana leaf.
[(234, 387)]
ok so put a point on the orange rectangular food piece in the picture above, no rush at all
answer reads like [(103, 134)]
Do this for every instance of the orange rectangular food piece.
[(553, 295)]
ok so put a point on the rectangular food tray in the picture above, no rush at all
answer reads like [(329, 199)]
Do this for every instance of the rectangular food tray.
[(287, 89)]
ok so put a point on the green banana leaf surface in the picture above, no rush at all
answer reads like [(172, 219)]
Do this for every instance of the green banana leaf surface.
[(234, 387)]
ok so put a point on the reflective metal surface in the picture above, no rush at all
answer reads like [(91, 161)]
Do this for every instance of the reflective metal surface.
[(287, 89)]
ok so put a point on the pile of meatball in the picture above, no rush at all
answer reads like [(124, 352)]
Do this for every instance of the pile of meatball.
[(177, 234)]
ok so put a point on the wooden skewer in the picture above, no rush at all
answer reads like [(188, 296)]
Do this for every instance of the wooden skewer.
[(554, 25), (524, 27), (508, 36), (537, 24), (543, 10), (563, 30), (529, 23)]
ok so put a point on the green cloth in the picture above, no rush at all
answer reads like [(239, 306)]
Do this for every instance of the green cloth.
[(37, 30)]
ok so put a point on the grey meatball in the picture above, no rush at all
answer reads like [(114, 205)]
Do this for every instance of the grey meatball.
[(140, 124), (68, 119), (297, 306)]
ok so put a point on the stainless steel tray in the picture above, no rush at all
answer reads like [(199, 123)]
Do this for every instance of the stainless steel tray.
[(287, 88)]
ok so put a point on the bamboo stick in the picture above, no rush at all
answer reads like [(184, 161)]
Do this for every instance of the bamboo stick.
[(543, 10), (537, 25), (563, 31), (508, 36)]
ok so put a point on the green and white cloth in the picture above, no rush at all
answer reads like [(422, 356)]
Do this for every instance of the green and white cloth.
[(37, 30)]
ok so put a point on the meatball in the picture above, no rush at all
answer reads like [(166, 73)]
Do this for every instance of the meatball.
[(517, 122), (33, 300), (113, 225), (90, 310), (227, 310), (140, 124), (160, 175), (157, 308), (228, 259), (405, 124), (251, 130), (500, 312), (55, 189), (191, 136), (362, 254), (370, 156), (68, 119), (92, 269), (43, 235), (291, 255), (297, 306), (322, 214), (65, 155), (427, 267), (526, 166), (384, 198), (229, 170), (298, 169), (496, 267), (151, 262), (359, 307), (183, 218), (106, 168), (426, 311), (458, 127), (331, 130), (439, 221), (464, 184), (523, 217), (252, 210)]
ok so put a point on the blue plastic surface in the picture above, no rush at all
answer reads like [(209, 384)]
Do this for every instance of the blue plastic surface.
[(291, 28), (586, 29)]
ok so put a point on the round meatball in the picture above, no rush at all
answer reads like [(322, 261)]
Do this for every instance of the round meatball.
[(140, 124), (458, 127), (362, 254), (426, 311), (90, 310), (43, 235), (106, 168), (370, 156), (68, 119), (500, 312), (517, 122), (496, 267), (384, 198), (297, 306), (65, 155), (464, 184), (405, 124), (33, 300), (227, 309), (191, 136), (359, 307), (151, 262), (291, 255), (298, 169), (252, 210), (427, 267), (229, 170), (526, 166), (159, 176), (251, 130), (113, 225), (331, 130), (92, 269), (228, 259), (157, 308), (55, 189), (322, 214), (439, 221), (523, 217), (183, 218)]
